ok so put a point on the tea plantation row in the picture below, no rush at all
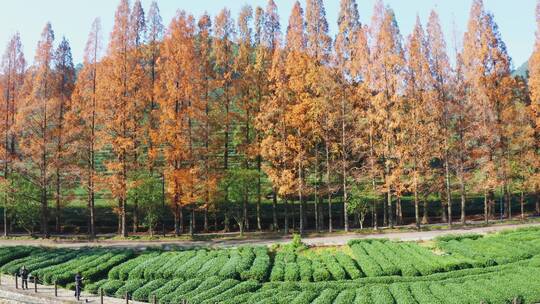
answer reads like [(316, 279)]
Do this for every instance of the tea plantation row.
[(496, 268)]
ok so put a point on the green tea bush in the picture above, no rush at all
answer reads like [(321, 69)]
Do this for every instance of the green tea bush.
[(326, 297), (129, 287), (111, 287), (333, 266), (349, 265), (144, 291), (93, 288), (368, 265), (178, 293), (260, 266), (304, 265), (345, 297), (212, 292), (242, 288), (166, 289), (305, 297)]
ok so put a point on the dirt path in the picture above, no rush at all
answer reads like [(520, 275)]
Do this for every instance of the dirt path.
[(339, 239), (45, 295)]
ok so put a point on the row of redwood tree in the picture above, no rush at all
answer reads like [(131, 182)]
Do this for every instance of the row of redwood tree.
[(216, 115)]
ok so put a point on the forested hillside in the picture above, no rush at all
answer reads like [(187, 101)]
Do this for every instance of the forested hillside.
[(223, 122)]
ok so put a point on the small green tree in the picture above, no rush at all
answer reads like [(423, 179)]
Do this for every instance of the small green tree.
[(360, 201), (149, 194)]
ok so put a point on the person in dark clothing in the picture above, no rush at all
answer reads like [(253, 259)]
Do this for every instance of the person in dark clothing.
[(23, 272), (78, 285)]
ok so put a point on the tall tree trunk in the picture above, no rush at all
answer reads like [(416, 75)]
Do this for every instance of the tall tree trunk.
[(486, 214), (317, 220), (390, 210), (416, 204), (275, 226), (462, 195), (245, 209), (57, 213), (286, 224), (399, 211), (259, 223), (177, 215), (328, 188), (192, 222), (425, 217), (205, 224), (508, 198), (522, 205), (444, 206), (385, 217), (344, 166), (447, 184), (91, 207), (124, 232), (135, 215), (300, 197)]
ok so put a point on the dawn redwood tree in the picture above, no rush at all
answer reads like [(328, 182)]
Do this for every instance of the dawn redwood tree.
[(82, 120), (534, 88), (223, 57), (272, 123), (142, 91), (207, 129), (344, 53), (298, 118), (487, 76), (154, 36), (318, 99), (178, 96), (121, 104), (243, 65), (416, 114), (267, 40), (35, 123), (64, 84), (386, 79), (441, 72), (12, 67)]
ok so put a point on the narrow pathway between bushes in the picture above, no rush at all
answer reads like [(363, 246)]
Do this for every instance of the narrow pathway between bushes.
[(339, 238), (45, 295)]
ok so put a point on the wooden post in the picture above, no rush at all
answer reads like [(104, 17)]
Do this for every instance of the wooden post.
[(127, 298), (16, 281), (101, 295), (55, 289), (35, 284), (154, 299)]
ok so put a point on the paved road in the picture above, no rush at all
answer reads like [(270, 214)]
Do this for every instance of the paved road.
[(338, 239)]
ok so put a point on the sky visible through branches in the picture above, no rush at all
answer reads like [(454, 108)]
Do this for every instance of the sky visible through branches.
[(72, 19)]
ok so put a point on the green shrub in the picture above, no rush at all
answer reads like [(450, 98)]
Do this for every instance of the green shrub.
[(305, 269), (111, 286), (242, 288), (333, 266), (345, 297), (305, 297), (292, 272), (260, 267), (143, 292), (326, 297), (212, 292), (93, 288), (182, 289), (380, 294), (349, 265), (166, 289), (129, 287)]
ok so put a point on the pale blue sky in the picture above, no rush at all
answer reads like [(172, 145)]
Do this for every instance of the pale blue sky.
[(72, 18)]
